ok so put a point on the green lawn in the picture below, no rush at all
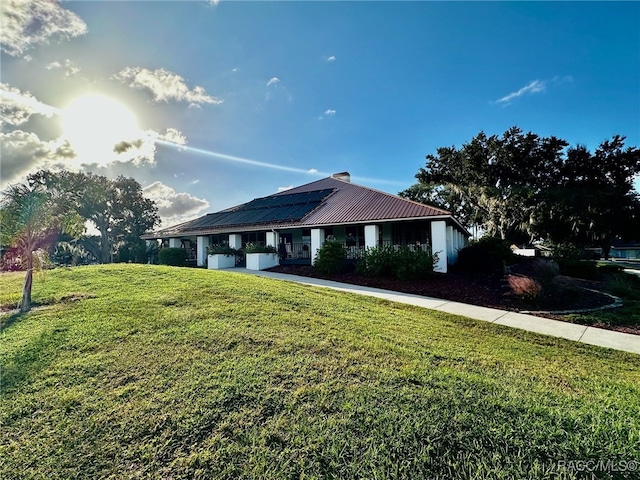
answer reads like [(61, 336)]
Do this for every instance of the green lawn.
[(130, 371)]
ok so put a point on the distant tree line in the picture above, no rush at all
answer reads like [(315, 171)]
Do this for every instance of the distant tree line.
[(522, 187)]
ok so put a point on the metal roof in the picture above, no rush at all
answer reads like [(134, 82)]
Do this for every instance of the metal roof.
[(329, 201)]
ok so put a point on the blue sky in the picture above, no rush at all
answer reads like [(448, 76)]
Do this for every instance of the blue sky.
[(235, 100)]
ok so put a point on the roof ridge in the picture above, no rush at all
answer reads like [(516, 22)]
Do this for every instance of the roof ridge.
[(398, 197)]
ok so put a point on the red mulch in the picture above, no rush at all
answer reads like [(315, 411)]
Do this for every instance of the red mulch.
[(487, 290)]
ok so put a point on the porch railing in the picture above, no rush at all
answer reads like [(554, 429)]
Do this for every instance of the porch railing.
[(295, 251)]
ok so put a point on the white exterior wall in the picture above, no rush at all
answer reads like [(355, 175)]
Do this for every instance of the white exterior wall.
[(175, 243), (235, 240), (371, 235), (439, 245), (317, 240), (202, 243)]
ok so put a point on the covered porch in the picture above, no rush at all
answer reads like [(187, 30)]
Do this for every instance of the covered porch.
[(441, 237)]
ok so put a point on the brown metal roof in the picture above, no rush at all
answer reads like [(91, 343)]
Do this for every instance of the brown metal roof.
[(354, 203), (349, 203)]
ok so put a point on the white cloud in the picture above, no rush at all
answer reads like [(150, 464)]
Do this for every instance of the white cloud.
[(328, 112), (26, 23), (165, 86), (16, 107), (67, 65), (536, 86), (332, 58), (24, 153), (284, 189), (142, 150), (273, 81), (312, 171), (174, 207)]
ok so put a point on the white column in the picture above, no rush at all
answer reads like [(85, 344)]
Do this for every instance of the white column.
[(317, 240), (272, 239), (450, 253), (202, 243), (439, 245), (235, 240), (371, 235), (175, 243)]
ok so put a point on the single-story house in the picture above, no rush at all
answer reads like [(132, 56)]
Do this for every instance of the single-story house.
[(298, 221)]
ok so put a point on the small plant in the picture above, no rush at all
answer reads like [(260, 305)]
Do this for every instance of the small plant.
[(222, 249), (176, 257), (331, 259), (526, 288), (259, 248)]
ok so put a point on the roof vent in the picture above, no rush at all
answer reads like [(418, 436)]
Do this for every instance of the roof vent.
[(344, 176)]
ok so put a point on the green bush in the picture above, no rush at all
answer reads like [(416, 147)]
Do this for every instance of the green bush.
[(377, 262), (176, 257), (585, 269), (331, 258), (486, 254), (402, 263), (223, 249), (259, 248)]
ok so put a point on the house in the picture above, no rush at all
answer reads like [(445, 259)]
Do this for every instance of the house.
[(298, 221)]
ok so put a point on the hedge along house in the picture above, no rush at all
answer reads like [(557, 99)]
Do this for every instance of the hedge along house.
[(298, 221)]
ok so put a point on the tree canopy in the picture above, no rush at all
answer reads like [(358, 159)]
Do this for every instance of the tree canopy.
[(521, 187), (117, 208)]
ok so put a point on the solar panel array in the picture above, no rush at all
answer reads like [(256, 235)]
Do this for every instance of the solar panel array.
[(274, 209)]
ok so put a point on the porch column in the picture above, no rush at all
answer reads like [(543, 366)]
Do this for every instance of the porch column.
[(175, 243), (235, 240), (371, 235), (272, 239), (439, 245), (317, 240), (202, 243), (450, 250)]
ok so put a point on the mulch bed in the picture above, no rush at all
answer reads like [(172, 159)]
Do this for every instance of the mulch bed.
[(487, 290)]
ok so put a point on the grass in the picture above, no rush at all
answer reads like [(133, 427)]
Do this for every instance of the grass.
[(623, 285), (133, 371)]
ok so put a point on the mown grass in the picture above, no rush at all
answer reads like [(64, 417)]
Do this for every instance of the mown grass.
[(161, 372)]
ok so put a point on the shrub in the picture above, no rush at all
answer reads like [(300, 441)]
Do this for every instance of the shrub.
[(331, 258), (524, 287), (377, 262), (488, 253), (624, 285), (571, 267), (259, 248), (176, 257), (223, 249), (402, 263)]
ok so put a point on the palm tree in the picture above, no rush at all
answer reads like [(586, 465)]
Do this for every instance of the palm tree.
[(31, 219)]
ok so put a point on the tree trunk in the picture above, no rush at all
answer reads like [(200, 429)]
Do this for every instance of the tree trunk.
[(25, 300), (104, 243)]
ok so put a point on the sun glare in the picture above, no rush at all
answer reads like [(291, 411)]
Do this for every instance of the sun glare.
[(95, 124)]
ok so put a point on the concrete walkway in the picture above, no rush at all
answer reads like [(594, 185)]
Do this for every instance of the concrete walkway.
[(555, 328)]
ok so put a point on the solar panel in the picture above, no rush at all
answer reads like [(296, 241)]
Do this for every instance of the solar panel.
[(275, 208)]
